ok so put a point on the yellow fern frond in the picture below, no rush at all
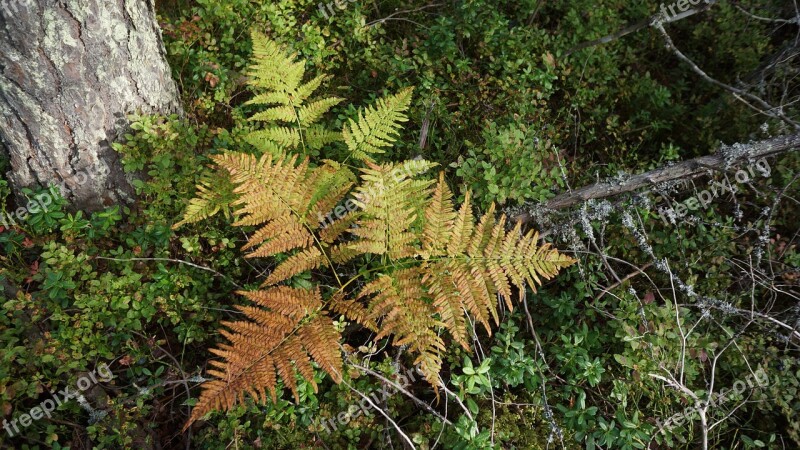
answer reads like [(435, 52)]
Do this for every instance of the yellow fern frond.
[(277, 72), (378, 126), (468, 266), (389, 199), (439, 218), (285, 199), (277, 341), (274, 68)]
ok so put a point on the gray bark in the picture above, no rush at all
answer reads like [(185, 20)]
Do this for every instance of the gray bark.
[(70, 73), (726, 157)]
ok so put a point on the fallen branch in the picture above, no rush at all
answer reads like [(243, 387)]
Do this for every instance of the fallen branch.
[(659, 18), (723, 159)]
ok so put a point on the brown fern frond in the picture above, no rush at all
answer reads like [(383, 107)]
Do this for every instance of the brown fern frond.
[(295, 303), (274, 343), (447, 302), (400, 304), (335, 230), (310, 258), (351, 309), (290, 238)]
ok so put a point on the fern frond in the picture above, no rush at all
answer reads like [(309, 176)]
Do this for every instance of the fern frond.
[(310, 258), (468, 266), (262, 144), (399, 303), (284, 113), (439, 218), (279, 339), (312, 112), (277, 72), (441, 266), (214, 194), (273, 68), (317, 136), (378, 126), (389, 199), (279, 195), (304, 91), (282, 137)]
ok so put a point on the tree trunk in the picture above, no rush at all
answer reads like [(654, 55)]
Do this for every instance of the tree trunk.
[(70, 73)]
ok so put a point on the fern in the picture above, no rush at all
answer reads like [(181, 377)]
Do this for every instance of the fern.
[(279, 77), (290, 119), (441, 267), (433, 266), (377, 126), (388, 199), (281, 338), (214, 194)]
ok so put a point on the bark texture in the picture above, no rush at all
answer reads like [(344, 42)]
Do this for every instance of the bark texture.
[(724, 158), (70, 73)]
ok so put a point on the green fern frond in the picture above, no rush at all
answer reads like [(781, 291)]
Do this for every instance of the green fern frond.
[(311, 113), (284, 113), (277, 78), (378, 126), (317, 136), (282, 137), (214, 194), (274, 68), (304, 91)]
